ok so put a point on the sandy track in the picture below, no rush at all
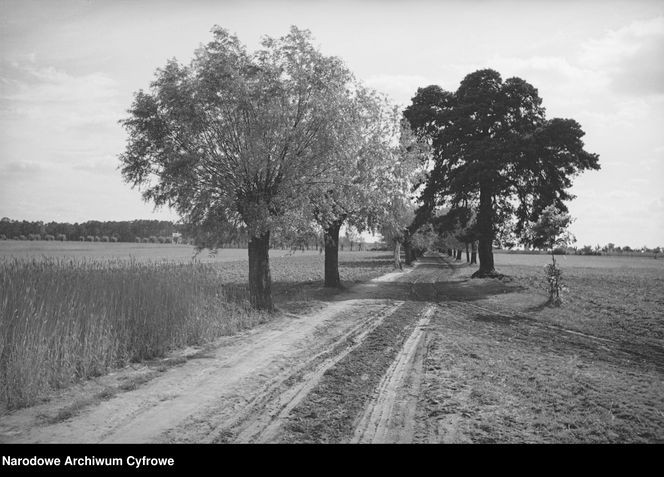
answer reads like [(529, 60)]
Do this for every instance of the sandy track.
[(261, 421), (390, 415)]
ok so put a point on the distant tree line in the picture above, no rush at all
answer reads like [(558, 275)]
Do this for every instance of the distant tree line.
[(92, 230), (609, 249), (155, 231)]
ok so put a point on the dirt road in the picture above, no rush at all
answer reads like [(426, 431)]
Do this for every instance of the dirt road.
[(245, 387)]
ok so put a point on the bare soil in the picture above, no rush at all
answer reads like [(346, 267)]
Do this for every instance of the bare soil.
[(423, 355)]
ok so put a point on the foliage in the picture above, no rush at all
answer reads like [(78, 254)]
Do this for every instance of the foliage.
[(495, 151), (237, 138), (398, 205), (551, 231)]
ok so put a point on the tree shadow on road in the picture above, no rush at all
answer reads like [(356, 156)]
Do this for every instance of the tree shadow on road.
[(433, 280)]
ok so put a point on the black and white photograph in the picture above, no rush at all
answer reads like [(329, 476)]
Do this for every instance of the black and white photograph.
[(328, 222)]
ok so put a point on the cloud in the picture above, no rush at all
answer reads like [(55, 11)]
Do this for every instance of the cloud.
[(44, 93), (553, 70), (625, 64), (631, 55), (106, 165), (622, 194), (400, 88), (21, 168), (620, 114)]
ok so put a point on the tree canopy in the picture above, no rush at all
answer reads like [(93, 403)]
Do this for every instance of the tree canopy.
[(241, 139), (495, 151)]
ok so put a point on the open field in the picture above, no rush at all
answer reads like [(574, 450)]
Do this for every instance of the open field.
[(620, 298), (502, 367), (123, 250), (424, 355)]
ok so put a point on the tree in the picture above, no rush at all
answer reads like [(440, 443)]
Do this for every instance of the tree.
[(353, 236), (401, 213), (495, 149), (368, 169), (457, 230), (398, 221), (239, 140), (548, 232)]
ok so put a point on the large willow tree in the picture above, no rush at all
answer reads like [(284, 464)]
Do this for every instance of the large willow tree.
[(238, 139), (496, 152)]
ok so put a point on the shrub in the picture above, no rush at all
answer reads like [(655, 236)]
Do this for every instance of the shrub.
[(22, 237), (551, 231), (168, 240), (138, 240), (3, 237), (146, 240), (97, 238), (554, 283), (61, 237), (49, 237), (81, 238), (153, 239), (588, 250), (114, 239), (105, 238), (90, 238)]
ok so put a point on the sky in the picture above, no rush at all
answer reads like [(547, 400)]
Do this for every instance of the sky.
[(69, 69)]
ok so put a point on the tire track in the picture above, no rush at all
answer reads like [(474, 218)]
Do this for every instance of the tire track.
[(390, 415), (263, 416)]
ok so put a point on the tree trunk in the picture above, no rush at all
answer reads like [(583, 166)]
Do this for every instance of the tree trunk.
[(486, 232), (260, 280), (332, 255), (473, 252), (467, 253), (397, 255), (458, 255), (408, 250)]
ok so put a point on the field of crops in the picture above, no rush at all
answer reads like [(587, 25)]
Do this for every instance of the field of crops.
[(71, 311)]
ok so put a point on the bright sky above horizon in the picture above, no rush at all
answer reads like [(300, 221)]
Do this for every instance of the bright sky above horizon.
[(69, 68)]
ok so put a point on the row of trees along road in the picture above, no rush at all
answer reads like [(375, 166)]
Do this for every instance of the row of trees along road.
[(278, 141), (496, 154)]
